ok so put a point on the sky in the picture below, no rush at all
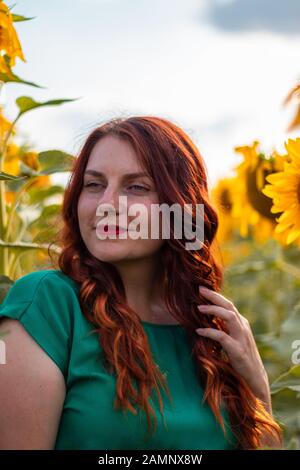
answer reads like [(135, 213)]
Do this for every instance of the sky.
[(220, 69)]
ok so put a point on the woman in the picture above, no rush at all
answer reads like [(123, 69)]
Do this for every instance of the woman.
[(107, 343)]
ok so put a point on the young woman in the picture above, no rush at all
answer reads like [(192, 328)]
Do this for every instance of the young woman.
[(104, 350)]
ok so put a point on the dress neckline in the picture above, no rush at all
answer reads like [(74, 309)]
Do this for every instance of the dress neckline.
[(162, 325)]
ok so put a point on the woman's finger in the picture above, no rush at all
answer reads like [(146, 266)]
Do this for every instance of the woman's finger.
[(234, 325), (228, 343), (217, 298)]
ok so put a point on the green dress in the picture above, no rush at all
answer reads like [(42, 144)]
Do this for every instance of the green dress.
[(47, 305)]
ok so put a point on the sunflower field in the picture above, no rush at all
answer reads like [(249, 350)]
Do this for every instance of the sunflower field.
[(258, 233)]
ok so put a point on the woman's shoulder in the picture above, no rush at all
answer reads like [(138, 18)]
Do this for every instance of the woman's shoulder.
[(37, 283), (44, 301), (48, 294)]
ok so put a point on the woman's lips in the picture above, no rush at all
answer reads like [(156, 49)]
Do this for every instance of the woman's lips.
[(110, 229)]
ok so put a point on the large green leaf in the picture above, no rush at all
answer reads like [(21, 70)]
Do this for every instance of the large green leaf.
[(54, 161), (26, 103), (290, 379)]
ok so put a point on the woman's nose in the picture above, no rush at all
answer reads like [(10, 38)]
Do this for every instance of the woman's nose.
[(109, 199)]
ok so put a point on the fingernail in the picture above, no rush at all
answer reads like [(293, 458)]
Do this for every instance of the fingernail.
[(201, 307), (199, 330)]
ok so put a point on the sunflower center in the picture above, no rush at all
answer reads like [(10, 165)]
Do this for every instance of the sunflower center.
[(261, 203), (225, 200)]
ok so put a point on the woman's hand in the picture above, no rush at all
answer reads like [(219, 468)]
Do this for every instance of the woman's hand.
[(239, 343)]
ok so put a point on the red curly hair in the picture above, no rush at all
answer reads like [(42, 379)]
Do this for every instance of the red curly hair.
[(179, 175)]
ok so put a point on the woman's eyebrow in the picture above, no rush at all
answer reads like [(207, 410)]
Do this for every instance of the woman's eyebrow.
[(125, 175)]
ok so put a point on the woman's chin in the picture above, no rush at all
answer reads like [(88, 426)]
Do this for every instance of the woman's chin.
[(110, 254)]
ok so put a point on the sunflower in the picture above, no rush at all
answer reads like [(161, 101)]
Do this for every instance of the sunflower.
[(284, 190), (251, 206), (222, 197), (5, 125), (11, 161), (14, 155), (9, 41)]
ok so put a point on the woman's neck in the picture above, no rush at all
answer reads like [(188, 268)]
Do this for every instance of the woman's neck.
[(143, 286)]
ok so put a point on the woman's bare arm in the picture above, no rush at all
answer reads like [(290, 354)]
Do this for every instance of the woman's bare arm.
[(32, 392)]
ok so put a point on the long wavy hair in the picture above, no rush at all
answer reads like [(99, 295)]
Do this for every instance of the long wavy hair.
[(179, 174)]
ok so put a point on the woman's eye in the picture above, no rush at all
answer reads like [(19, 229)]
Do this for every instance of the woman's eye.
[(137, 186), (87, 185)]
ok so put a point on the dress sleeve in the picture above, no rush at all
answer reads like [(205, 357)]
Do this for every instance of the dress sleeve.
[(39, 301)]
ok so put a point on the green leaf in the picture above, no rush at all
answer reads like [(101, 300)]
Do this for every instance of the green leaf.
[(290, 379), (48, 215), (285, 406), (39, 195), (11, 77), (44, 236), (293, 444), (15, 79), (16, 185), (26, 103), (44, 228), (7, 177), (54, 161), (17, 18)]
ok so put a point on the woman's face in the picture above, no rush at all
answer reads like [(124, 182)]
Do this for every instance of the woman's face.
[(109, 175)]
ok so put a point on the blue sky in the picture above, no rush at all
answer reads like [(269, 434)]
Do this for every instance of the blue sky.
[(218, 68)]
